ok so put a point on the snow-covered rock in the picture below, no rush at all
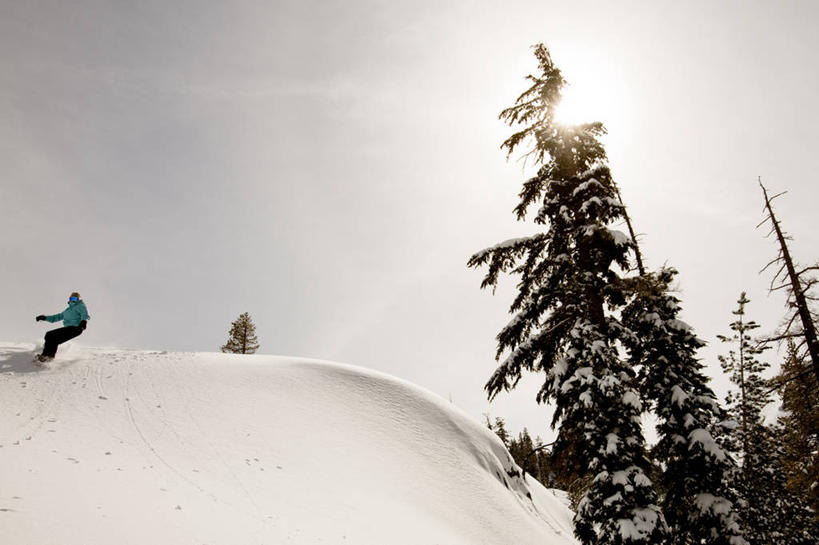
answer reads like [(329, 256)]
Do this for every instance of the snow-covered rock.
[(114, 446)]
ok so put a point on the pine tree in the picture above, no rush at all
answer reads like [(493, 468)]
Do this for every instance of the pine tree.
[(698, 503), (499, 427), (745, 371), (798, 428), (242, 337), (565, 322), (520, 447), (770, 512)]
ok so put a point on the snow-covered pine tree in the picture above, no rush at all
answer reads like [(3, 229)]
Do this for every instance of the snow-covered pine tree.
[(242, 338), (770, 513), (698, 503), (565, 322)]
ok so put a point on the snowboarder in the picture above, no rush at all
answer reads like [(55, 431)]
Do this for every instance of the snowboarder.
[(74, 321)]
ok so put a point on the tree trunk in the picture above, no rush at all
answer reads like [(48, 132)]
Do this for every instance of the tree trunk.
[(798, 295)]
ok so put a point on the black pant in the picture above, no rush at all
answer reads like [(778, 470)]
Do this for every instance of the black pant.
[(57, 337)]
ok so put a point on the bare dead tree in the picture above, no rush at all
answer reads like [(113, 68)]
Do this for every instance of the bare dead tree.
[(797, 283)]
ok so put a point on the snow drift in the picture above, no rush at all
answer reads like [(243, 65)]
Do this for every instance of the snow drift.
[(113, 446)]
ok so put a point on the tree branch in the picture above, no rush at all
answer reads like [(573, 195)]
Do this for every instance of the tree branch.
[(782, 382)]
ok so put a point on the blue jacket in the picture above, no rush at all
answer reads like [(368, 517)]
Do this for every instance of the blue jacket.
[(72, 316)]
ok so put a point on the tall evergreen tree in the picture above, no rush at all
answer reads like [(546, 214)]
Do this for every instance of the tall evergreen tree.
[(242, 338), (697, 500), (565, 322)]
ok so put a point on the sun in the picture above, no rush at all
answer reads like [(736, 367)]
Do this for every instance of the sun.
[(581, 104)]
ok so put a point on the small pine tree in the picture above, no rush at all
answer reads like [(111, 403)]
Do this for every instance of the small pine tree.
[(745, 371), (242, 337), (499, 427)]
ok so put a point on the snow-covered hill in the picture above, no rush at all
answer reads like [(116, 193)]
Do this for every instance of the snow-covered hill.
[(114, 446)]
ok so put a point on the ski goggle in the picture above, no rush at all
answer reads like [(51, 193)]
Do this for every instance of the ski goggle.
[(73, 299)]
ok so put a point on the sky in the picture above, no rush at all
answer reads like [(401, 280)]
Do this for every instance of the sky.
[(329, 167)]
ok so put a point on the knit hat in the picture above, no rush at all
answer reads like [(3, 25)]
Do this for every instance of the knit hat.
[(75, 294)]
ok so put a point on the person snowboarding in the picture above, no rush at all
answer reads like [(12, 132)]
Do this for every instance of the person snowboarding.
[(74, 320)]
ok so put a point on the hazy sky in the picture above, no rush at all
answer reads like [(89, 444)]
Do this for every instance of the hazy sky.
[(329, 167)]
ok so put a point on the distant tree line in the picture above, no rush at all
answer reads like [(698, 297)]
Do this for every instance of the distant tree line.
[(530, 455)]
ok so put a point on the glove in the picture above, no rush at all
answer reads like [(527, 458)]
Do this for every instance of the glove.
[(40, 317), (82, 325)]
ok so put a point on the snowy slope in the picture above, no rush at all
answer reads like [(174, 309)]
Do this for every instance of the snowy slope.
[(115, 446)]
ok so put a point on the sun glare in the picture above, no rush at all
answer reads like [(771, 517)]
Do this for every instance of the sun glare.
[(580, 105)]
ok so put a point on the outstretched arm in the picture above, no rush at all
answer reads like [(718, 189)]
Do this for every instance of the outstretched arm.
[(54, 317)]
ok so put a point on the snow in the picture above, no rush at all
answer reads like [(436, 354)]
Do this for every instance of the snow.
[(558, 370), (619, 237), (603, 475), (585, 186), (714, 504), (644, 522), (614, 498), (652, 318), (612, 442), (706, 441), (729, 424), (679, 325), (630, 398), (507, 244), (678, 396), (115, 446), (593, 201), (628, 530), (620, 478), (641, 479)]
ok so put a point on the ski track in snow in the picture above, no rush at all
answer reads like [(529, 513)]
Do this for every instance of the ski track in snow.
[(150, 446), (218, 449), (181, 384)]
